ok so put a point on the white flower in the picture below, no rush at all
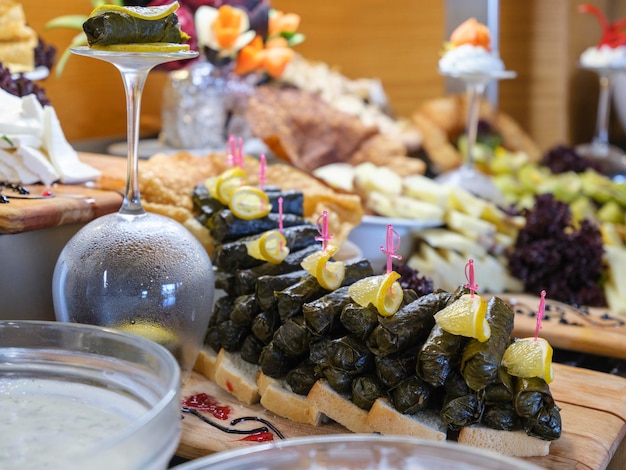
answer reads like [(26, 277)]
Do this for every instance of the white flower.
[(226, 30)]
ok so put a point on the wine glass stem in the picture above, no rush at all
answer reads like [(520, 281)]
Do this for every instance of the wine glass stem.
[(602, 119), (134, 81), (474, 95)]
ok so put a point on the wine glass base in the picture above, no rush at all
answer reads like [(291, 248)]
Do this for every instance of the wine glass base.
[(611, 160), (470, 179)]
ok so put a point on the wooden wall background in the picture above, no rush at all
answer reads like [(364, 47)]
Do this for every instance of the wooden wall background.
[(397, 41)]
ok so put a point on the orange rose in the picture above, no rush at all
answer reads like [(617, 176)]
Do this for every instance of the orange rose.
[(280, 22), (471, 32)]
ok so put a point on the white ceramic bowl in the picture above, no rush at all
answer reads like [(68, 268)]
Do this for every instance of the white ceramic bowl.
[(357, 451), (78, 396)]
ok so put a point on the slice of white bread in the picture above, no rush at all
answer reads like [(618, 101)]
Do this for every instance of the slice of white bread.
[(277, 397), (237, 377), (511, 443), (385, 419), (206, 363), (338, 407)]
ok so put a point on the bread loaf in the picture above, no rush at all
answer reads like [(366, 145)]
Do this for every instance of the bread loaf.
[(383, 418), (277, 397), (511, 443), (338, 408)]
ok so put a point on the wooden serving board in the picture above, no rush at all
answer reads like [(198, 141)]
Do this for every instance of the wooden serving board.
[(593, 411), (69, 204), (587, 330)]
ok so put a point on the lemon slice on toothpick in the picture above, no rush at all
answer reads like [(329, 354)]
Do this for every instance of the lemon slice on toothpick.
[(270, 247), (383, 291), (467, 316), (329, 274)]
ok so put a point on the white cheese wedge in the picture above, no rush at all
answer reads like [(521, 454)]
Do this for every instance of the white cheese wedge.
[(8, 173), (475, 229), (15, 141), (14, 120), (337, 175), (427, 189), (62, 155), (408, 208), (448, 240), (24, 174), (38, 163), (369, 177)]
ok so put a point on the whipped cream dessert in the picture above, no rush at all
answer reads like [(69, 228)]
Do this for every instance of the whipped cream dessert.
[(470, 59), (33, 147), (469, 51), (610, 52), (604, 57)]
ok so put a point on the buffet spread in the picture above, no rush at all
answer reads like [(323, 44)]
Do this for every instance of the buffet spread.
[(451, 341)]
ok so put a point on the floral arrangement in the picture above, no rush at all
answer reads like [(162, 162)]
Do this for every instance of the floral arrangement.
[(248, 33)]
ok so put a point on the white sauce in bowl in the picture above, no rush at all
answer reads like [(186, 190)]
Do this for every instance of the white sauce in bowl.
[(43, 422)]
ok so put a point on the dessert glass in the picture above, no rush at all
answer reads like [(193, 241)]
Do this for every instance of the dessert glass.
[(134, 270), (611, 159), (467, 176)]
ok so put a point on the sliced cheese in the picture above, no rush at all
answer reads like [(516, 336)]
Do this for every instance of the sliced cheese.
[(21, 172), (38, 163), (62, 155)]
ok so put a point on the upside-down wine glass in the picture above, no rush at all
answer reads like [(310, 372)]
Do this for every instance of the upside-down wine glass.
[(135, 270), (611, 159), (467, 176)]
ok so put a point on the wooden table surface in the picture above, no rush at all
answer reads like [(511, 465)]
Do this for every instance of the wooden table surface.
[(593, 411)]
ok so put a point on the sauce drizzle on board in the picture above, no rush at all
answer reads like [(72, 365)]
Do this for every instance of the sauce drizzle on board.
[(202, 402)]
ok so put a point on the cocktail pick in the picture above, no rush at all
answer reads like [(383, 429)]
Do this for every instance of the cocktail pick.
[(322, 228), (540, 312), (280, 218), (469, 275), (240, 152), (232, 153), (392, 245), (263, 164)]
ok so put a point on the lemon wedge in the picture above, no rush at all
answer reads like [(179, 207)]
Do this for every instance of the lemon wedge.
[(329, 274), (143, 47), (528, 357), (466, 317), (383, 291), (151, 331), (228, 182), (270, 247), (144, 13), (248, 202)]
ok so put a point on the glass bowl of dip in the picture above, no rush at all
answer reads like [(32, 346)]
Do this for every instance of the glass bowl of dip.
[(81, 396), (357, 451)]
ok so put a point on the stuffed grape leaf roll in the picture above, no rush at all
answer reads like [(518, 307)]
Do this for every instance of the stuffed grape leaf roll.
[(439, 355), (481, 361), (461, 406), (408, 326), (118, 27), (366, 390)]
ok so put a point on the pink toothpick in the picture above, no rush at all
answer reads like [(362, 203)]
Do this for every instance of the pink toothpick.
[(322, 228), (280, 219), (240, 153), (232, 154), (469, 275), (280, 214), (392, 245), (540, 312), (262, 172)]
